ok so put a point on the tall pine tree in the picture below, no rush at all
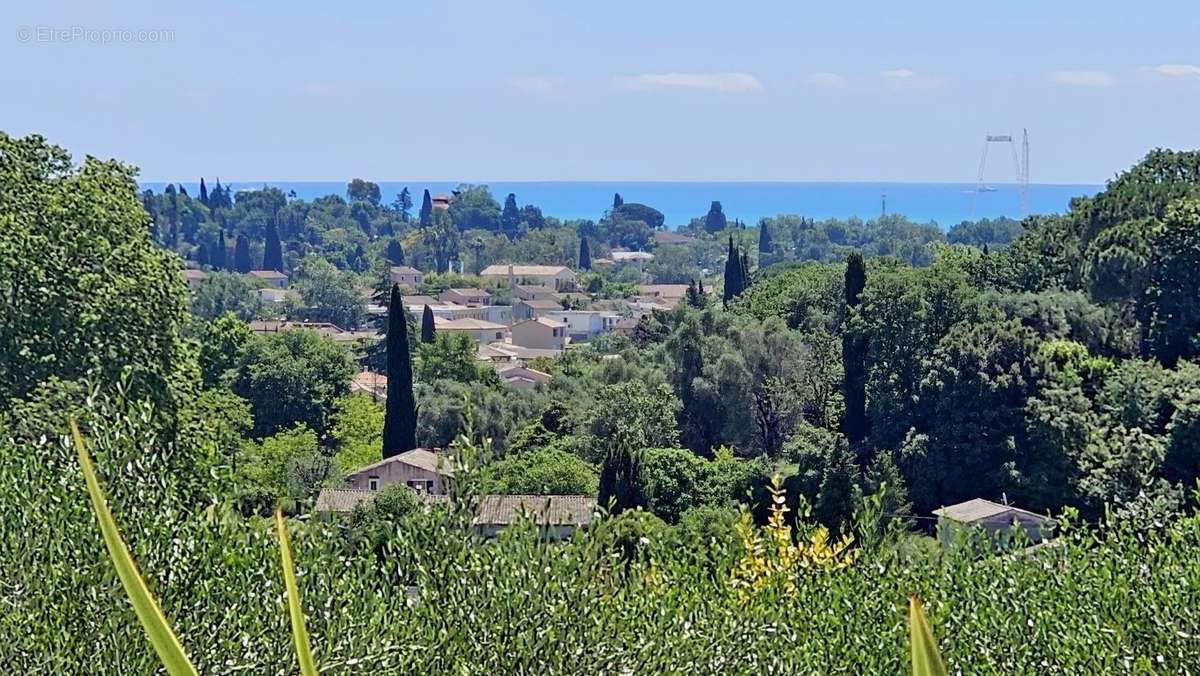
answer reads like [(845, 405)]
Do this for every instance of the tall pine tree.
[(617, 201), (426, 209), (510, 217), (427, 329), (715, 220), (404, 204), (241, 255), (273, 250), (203, 192), (400, 416), (854, 353), (585, 254)]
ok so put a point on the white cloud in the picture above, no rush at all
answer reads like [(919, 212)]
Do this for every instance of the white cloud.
[(725, 83), (827, 80), (1082, 78), (1177, 70), (532, 84), (904, 78), (318, 89)]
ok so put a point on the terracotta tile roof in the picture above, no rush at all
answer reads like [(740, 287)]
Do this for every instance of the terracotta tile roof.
[(544, 510), (346, 499)]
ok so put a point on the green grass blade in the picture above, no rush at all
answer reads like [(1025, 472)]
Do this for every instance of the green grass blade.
[(926, 660), (158, 630), (299, 633)]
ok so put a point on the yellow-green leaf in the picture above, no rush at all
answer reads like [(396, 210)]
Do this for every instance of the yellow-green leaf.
[(158, 630), (299, 633), (926, 660)]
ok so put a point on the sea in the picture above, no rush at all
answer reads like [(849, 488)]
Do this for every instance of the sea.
[(945, 204)]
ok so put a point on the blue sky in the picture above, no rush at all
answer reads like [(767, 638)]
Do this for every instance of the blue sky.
[(616, 90)]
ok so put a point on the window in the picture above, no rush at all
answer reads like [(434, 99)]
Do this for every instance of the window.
[(428, 486), (373, 483), (499, 335)]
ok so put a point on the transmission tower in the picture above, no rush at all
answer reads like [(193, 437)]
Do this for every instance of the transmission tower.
[(1020, 168)]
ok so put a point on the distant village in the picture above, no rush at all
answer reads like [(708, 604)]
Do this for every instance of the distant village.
[(544, 313)]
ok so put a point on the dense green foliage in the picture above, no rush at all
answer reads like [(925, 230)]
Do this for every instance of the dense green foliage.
[(1058, 372)]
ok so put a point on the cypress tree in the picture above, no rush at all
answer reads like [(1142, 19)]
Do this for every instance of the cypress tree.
[(427, 330), (241, 255), (854, 353), (395, 252), (426, 209), (745, 269), (400, 417), (617, 201), (202, 254), (273, 250), (218, 256), (733, 274), (764, 238), (203, 192), (405, 204), (585, 254)]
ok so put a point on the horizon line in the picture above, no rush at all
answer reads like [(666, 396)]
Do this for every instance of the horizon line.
[(634, 181)]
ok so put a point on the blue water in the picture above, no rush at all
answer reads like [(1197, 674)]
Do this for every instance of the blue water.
[(943, 203)]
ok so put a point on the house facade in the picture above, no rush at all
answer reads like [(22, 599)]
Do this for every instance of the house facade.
[(419, 469), (583, 325), (480, 331), (408, 276), (466, 296), (273, 278), (532, 309), (542, 334)]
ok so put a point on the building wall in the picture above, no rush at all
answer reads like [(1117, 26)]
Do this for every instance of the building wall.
[(397, 473), (538, 336), (407, 279)]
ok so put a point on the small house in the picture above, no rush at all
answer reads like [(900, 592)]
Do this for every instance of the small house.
[(273, 278), (540, 333), (557, 277), (994, 522), (194, 277), (532, 309), (419, 469), (523, 377), (466, 296), (480, 331), (406, 276), (557, 516)]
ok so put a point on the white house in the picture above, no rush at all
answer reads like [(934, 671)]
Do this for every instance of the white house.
[(583, 325), (532, 309)]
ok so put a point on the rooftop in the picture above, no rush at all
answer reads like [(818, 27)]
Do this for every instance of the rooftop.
[(502, 270), (267, 274), (417, 457), (979, 509), (405, 270), (544, 510), (543, 304), (466, 324)]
